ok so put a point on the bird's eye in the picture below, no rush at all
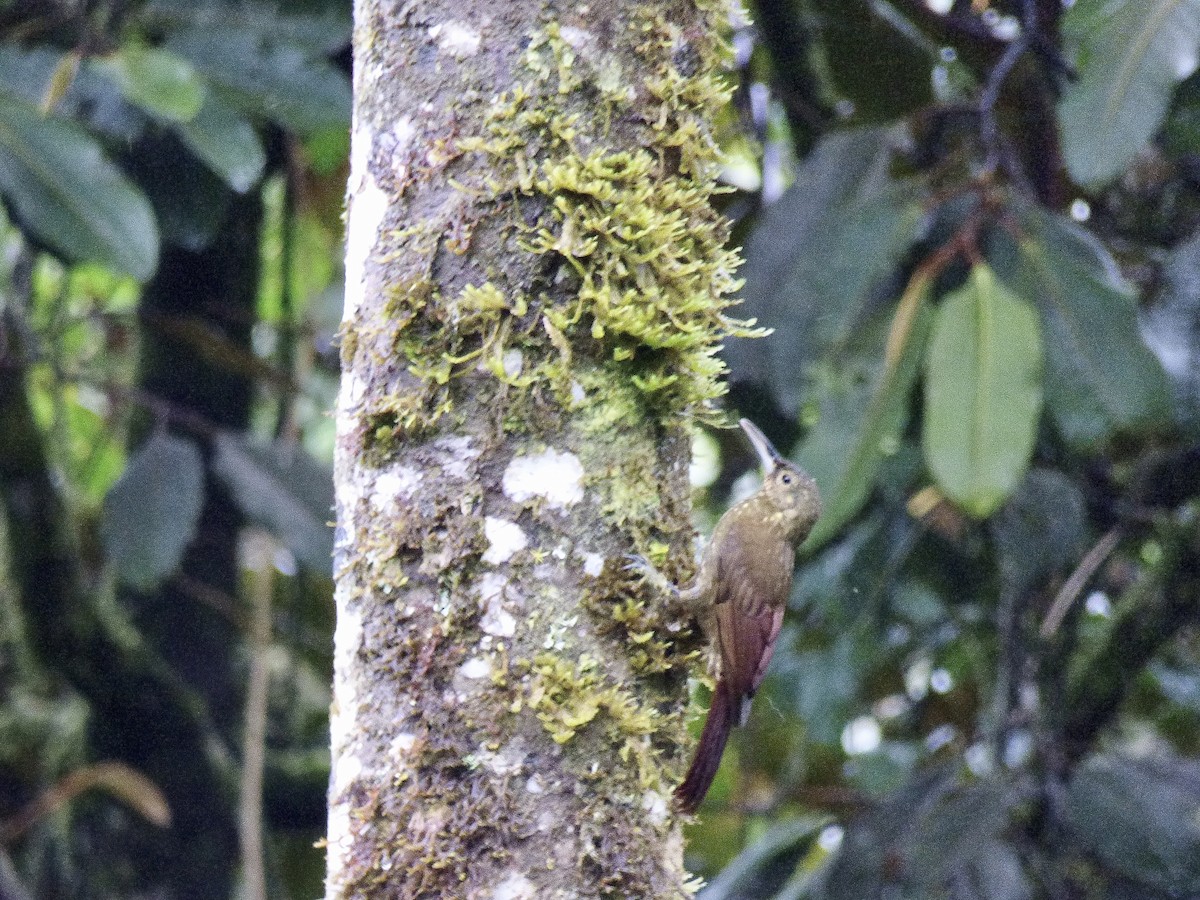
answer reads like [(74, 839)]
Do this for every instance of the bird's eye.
[(786, 478)]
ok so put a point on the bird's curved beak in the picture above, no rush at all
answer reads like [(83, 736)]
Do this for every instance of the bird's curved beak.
[(767, 454)]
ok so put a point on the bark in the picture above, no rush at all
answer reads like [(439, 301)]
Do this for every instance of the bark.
[(536, 288)]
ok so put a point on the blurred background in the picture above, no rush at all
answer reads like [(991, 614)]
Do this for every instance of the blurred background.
[(973, 229)]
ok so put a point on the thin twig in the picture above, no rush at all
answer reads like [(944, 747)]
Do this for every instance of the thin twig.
[(118, 779), (1074, 586), (989, 98), (250, 815)]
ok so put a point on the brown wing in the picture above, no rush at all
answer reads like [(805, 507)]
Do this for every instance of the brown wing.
[(753, 585)]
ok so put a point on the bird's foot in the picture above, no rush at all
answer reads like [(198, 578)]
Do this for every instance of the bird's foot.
[(639, 565)]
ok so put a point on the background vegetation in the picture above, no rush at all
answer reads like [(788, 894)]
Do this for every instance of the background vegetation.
[(973, 227)]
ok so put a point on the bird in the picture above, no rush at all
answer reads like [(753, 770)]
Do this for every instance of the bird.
[(739, 595)]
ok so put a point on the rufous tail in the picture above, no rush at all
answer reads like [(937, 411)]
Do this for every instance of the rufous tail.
[(722, 716)]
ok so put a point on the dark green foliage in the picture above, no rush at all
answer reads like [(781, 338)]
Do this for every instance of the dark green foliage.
[(151, 512), (1141, 818), (281, 487), (62, 189), (985, 336), (167, 251), (213, 82)]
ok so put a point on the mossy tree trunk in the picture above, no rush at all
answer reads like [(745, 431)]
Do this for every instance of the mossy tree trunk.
[(536, 287)]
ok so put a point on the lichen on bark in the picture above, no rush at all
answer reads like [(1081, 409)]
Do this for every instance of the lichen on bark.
[(533, 315)]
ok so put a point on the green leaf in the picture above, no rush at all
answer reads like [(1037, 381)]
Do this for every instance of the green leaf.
[(320, 28), (1142, 818), (190, 201), (780, 840), (983, 392), (157, 80), (932, 838), (862, 418), (826, 682), (283, 489), (815, 257), (272, 78), (1181, 132), (151, 512), (227, 143), (952, 832), (1100, 375), (1130, 55), (996, 873), (873, 853), (62, 189), (1171, 328), (1040, 531), (860, 49)]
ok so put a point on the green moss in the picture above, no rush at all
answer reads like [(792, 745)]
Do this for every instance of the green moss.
[(639, 278), (648, 276), (568, 697)]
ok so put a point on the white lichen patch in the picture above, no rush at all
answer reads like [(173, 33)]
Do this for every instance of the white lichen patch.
[(339, 842), (393, 485), (346, 770), (593, 564), (514, 361), (496, 619), (556, 477), (576, 37), (456, 38), (402, 745), (504, 539), (403, 133), (475, 668), (458, 454), (350, 397), (515, 887), (655, 805), (499, 622), (506, 763), (347, 640), (368, 205)]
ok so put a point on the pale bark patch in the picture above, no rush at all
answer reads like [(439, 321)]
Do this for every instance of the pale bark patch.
[(515, 887), (402, 745), (456, 38), (556, 477), (508, 762), (349, 398), (593, 564), (347, 640), (656, 807), (339, 844), (513, 361), (504, 539), (368, 206), (475, 668), (496, 619), (402, 135), (392, 486), (459, 453)]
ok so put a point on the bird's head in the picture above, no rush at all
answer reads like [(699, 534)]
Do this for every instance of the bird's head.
[(790, 490)]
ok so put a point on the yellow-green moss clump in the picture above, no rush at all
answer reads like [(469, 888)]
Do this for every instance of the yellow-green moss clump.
[(568, 697), (642, 253)]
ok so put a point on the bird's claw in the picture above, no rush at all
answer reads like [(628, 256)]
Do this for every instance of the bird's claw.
[(639, 565), (635, 562)]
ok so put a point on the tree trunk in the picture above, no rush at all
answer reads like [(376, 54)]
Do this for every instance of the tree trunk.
[(536, 288)]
